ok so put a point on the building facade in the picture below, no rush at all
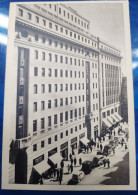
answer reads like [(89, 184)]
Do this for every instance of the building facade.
[(124, 100), (68, 87)]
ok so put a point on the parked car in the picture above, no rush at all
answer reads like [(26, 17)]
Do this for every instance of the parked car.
[(87, 166), (76, 177), (107, 149), (99, 152), (113, 143), (97, 161)]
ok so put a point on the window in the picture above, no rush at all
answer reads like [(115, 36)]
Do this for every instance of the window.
[(61, 101), (42, 88), (71, 130), (43, 55), (61, 135), (66, 73), (36, 39), (71, 114), (55, 119), (34, 125), (66, 116), (43, 39), (49, 103), (43, 72), (50, 25), (68, 15), (61, 73), (61, 59), (75, 113), (61, 30), (34, 147), (35, 107), (56, 88), (42, 144), (59, 10), (76, 128), (20, 12), (71, 86), (66, 87), (66, 132), (37, 19), (35, 89), (42, 105), (44, 22), (61, 87), (49, 121), (49, 88), (36, 54), (42, 123), (56, 27), (93, 107), (61, 117), (66, 101), (56, 71), (55, 137), (29, 16), (79, 98), (49, 72), (70, 73), (71, 100), (50, 41), (55, 102), (49, 140), (66, 60), (79, 127), (75, 99), (66, 32), (83, 111)]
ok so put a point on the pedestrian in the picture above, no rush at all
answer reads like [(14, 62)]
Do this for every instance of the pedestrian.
[(60, 179), (125, 146), (70, 156), (41, 181), (54, 171), (103, 138), (72, 161), (87, 148), (71, 168), (57, 174), (91, 148), (108, 163), (122, 143), (104, 162), (101, 147), (61, 172), (114, 132), (62, 164), (80, 161), (68, 168), (113, 150), (98, 145), (75, 161)]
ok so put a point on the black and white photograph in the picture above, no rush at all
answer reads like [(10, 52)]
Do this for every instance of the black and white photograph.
[(68, 109)]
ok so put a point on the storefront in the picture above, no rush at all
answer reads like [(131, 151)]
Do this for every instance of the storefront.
[(54, 158), (83, 141), (64, 150), (73, 145)]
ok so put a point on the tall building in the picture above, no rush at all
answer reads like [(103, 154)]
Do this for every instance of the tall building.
[(68, 87), (124, 101)]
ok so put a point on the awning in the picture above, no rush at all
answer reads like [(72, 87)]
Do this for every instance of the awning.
[(41, 167), (114, 117), (108, 124), (118, 116), (85, 141), (56, 158), (110, 120)]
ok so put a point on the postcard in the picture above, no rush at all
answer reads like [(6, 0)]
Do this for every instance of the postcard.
[(68, 106)]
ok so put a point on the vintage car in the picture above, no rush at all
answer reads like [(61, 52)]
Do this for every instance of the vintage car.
[(107, 149), (87, 166), (76, 178), (97, 161)]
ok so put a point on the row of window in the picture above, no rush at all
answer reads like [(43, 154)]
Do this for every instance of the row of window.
[(68, 15), (108, 112), (111, 101), (58, 28), (60, 136), (110, 50), (62, 117), (60, 73), (60, 102)]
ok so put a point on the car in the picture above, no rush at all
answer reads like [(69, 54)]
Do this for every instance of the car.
[(76, 177), (107, 149), (97, 161), (87, 166)]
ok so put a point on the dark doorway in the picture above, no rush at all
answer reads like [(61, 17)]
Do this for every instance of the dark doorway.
[(21, 168)]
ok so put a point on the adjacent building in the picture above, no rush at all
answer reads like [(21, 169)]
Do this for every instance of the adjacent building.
[(68, 88), (124, 100)]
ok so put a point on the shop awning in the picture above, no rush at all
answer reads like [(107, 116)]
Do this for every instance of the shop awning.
[(110, 120), (114, 117), (41, 167), (85, 141), (118, 116), (56, 158), (108, 124)]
